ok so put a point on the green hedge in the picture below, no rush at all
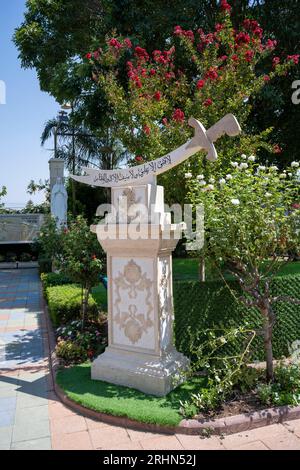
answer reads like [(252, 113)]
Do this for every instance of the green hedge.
[(64, 303), (53, 279), (199, 306)]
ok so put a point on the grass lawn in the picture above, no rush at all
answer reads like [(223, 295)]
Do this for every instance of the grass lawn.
[(122, 401)]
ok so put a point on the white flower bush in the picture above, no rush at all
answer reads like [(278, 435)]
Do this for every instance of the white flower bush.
[(252, 222)]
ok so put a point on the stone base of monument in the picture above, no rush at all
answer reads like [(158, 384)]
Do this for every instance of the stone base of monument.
[(153, 375)]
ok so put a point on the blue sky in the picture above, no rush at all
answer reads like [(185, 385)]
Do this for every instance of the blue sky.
[(22, 117)]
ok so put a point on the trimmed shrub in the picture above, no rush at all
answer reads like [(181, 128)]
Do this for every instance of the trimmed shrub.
[(64, 303), (200, 306), (53, 279)]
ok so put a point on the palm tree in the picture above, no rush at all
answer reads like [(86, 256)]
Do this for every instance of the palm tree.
[(80, 148)]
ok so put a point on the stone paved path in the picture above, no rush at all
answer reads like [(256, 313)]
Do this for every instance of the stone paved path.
[(31, 416)]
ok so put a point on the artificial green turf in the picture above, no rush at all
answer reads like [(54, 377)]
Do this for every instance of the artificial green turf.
[(99, 294), (122, 401)]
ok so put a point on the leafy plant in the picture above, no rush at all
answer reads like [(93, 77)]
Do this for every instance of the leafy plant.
[(223, 372), (82, 259), (252, 227), (285, 390), (92, 339)]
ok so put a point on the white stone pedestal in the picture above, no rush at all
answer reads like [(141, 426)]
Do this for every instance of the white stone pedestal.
[(141, 353)]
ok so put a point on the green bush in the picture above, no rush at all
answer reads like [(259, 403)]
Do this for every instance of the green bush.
[(64, 303), (286, 387), (70, 352), (200, 306), (53, 279)]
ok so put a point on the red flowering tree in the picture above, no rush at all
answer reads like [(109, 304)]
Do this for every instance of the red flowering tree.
[(204, 75)]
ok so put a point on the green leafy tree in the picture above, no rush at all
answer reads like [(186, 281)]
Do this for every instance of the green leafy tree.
[(3, 193), (82, 258), (252, 226), (49, 243)]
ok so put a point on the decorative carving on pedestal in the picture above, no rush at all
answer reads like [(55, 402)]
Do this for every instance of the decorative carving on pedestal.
[(134, 322)]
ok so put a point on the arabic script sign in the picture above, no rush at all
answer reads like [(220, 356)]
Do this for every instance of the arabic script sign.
[(202, 140)]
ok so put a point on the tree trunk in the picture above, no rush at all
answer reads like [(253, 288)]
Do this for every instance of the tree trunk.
[(268, 330), (202, 269), (85, 302)]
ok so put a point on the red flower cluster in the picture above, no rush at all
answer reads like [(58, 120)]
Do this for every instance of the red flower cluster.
[(178, 31), (254, 27), (157, 96), (267, 78), (206, 40), (128, 43), (242, 38), (208, 102), (219, 27), (147, 130), (164, 57), (88, 55), (249, 55), (139, 158), (276, 61), (212, 73), (141, 53), (115, 43), (200, 84), (294, 58), (270, 44), (178, 115), (225, 6)]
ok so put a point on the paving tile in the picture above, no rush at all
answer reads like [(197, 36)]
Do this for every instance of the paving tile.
[(94, 424), (256, 445), (5, 437), (7, 403), (108, 435), (34, 444), (273, 435), (38, 413), (7, 418), (142, 435), (68, 424), (30, 401), (74, 441), (162, 443), (27, 431), (293, 426), (123, 446), (57, 410), (198, 443)]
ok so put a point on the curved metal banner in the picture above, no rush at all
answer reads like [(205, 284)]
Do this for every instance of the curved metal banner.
[(202, 140)]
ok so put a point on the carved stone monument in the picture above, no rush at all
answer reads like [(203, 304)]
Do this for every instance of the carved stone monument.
[(59, 196), (59, 203), (139, 239)]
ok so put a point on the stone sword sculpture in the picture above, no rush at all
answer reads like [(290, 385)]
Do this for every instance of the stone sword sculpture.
[(140, 352), (202, 140)]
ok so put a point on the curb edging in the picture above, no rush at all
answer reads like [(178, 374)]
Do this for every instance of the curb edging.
[(219, 426)]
